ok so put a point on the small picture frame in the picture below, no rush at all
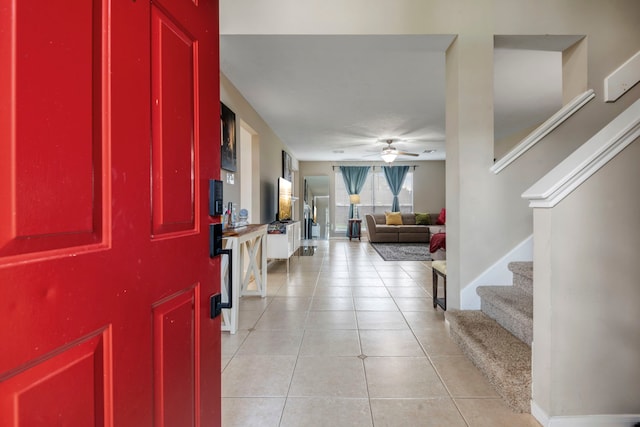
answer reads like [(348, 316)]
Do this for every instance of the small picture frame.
[(228, 152), (286, 166), (306, 189)]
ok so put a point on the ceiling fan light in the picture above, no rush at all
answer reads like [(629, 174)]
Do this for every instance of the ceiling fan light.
[(389, 155)]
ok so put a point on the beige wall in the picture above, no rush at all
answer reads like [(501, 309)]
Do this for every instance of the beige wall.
[(473, 193), (268, 152), (587, 352), (479, 203)]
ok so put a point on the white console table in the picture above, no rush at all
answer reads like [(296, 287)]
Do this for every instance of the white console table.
[(283, 245), (247, 244)]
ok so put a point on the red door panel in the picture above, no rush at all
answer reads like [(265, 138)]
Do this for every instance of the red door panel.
[(71, 382), (50, 154), (174, 90), (175, 325), (108, 137)]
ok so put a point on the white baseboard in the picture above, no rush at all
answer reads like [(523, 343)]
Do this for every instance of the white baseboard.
[(497, 274), (612, 420), (540, 415), (622, 420)]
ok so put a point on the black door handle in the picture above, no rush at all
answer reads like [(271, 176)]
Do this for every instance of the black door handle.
[(216, 300)]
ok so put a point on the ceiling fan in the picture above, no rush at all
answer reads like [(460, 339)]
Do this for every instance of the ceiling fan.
[(390, 153)]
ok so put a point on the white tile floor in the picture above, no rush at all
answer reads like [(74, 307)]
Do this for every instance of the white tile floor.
[(348, 339)]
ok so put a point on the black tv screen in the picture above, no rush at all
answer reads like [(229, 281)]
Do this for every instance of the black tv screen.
[(284, 200)]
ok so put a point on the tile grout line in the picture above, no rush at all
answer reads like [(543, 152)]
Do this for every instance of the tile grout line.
[(440, 378), (304, 333)]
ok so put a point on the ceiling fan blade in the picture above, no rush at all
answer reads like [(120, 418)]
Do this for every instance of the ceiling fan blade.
[(404, 153)]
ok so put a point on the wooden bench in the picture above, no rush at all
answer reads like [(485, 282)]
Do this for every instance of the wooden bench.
[(439, 268)]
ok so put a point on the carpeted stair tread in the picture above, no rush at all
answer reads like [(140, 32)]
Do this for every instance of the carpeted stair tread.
[(522, 275), (500, 356), (511, 307), (524, 268)]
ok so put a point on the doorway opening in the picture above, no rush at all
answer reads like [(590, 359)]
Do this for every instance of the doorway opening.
[(249, 182), (316, 219)]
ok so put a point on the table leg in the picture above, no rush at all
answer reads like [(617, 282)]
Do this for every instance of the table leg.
[(259, 274), (263, 265), (236, 291), (230, 316)]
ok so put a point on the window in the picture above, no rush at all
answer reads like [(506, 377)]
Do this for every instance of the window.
[(375, 197)]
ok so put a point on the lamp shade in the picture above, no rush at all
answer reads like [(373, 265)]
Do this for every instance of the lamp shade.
[(354, 199)]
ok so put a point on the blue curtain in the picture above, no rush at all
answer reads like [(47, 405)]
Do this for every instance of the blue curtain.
[(395, 177), (354, 178)]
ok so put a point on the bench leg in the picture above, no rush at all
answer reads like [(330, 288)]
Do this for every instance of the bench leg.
[(442, 302), (434, 291)]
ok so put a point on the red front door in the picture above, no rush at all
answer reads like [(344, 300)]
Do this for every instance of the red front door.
[(109, 115)]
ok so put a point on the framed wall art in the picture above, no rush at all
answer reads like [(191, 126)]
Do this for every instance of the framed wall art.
[(305, 191), (286, 166), (228, 151)]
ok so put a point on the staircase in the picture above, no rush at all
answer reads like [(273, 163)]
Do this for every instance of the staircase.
[(498, 337)]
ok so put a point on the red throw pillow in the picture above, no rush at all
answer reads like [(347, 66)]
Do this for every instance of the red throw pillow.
[(442, 218)]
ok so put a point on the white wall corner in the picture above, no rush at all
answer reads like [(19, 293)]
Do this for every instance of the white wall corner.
[(498, 274), (539, 414), (622, 79)]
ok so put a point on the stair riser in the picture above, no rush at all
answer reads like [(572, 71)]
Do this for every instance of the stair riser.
[(522, 275), (521, 328), (517, 405), (518, 400), (523, 282)]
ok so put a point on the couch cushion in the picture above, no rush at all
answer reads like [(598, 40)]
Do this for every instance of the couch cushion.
[(423, 218), (387, 228), (413, 229), (385, 238), (413, 237), (409, 218), (379, 218), (393, 218)]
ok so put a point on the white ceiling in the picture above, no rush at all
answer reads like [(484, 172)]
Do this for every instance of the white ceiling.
[(334, 97)]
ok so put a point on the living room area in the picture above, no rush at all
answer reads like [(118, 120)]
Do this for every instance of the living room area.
[(253, 182)]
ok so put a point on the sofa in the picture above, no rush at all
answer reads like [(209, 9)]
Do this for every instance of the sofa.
[(409, 231)]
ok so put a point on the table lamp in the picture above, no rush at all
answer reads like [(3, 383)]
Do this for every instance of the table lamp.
[(354, 199)]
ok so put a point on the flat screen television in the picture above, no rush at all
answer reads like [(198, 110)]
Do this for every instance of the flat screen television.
[(284, 200)]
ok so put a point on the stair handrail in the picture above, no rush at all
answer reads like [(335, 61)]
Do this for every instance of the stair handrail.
[(622, 79), (586, 160), (543, 130)]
